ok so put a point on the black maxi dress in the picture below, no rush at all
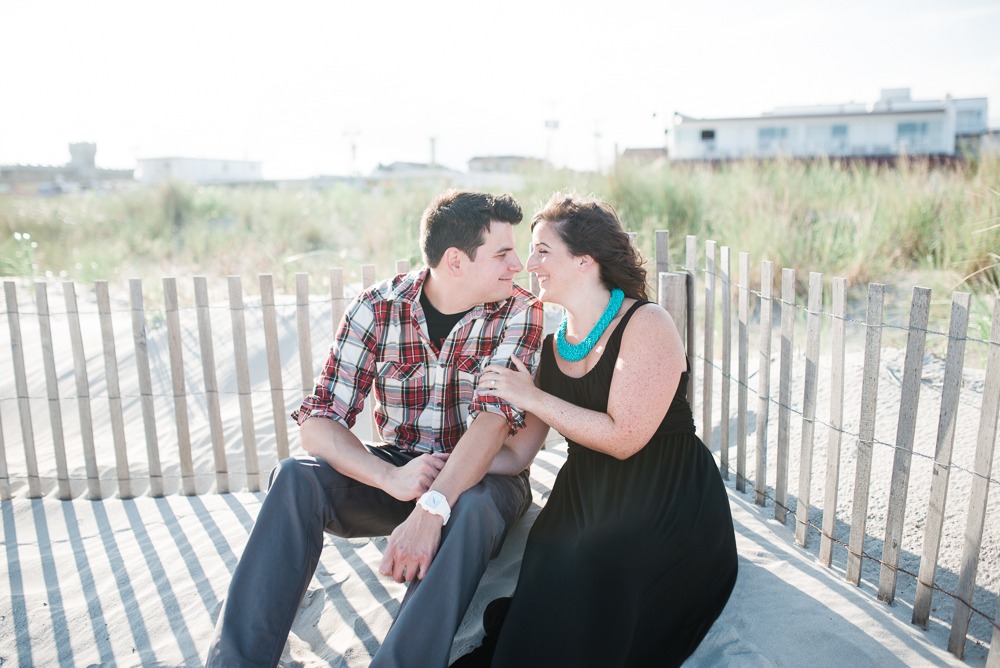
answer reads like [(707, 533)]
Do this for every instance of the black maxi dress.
[(630, 562)]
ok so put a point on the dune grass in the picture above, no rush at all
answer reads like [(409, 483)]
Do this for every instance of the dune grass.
[(862, 222)]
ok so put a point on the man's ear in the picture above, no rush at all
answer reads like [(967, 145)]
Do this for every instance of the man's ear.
[(454, 262), (584, 262)]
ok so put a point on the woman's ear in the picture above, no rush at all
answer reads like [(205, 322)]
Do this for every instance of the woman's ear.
[(584, 262)]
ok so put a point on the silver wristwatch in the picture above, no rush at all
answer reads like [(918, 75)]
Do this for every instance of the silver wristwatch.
[(435, 503)]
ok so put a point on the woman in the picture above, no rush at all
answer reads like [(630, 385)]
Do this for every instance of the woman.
[(634, 556)]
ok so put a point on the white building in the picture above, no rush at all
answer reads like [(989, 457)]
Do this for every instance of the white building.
[(197, 170), (893, 125)]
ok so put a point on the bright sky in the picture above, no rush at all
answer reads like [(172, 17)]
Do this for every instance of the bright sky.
[(289, 83)]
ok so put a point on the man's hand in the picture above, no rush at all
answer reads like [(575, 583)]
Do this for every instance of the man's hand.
[(409, 481), (412, 546)]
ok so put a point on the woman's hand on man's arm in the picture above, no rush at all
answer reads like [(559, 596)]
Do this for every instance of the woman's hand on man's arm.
[(647, 372)]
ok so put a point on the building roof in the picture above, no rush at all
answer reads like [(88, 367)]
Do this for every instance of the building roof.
[(892, 102), (776, 117), (644, 154), (179, 157)]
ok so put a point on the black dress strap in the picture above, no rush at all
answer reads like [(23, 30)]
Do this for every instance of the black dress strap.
[(678, 418), (615, 342)]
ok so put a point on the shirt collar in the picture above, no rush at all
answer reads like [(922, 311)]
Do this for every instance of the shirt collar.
[(409, 288)]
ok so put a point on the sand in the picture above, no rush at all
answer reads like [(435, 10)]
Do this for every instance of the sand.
[(140, 581)]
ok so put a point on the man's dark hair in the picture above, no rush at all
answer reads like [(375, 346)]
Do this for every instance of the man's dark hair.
[(459, 219)]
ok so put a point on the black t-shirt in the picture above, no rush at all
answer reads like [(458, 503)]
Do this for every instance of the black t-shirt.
[(439, 325)]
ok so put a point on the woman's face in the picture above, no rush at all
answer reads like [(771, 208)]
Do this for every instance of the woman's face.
[(557, 270)]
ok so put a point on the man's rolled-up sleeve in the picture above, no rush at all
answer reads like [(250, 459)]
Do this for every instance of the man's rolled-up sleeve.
[(349, 370), (522, 336)]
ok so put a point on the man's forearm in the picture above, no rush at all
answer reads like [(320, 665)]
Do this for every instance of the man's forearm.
[(507, 462), (472, 456), (337, 446), (520, 449), (413, 544)]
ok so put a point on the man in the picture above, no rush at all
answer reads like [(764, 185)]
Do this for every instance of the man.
[(421, 340)]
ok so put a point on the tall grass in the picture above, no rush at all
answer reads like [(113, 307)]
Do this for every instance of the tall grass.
[(858, 221)]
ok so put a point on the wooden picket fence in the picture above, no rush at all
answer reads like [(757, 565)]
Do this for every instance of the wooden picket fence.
[(676, 293), (720, 273)]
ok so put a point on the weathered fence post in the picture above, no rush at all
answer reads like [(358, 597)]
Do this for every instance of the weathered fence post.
[(838, 325), (764, 380), (402, 266), (82, 392), (337, 302), (52, 387), (243, 383), (211, 384), (743, 336), (866, 433), (661, 251), (809, 406), (691, 252), (114, 393), (784, 392), (909, 397), (145, 387), (947, 420), (271, 344), (672, 293), (706, 384), (978, 493), (172, 313), (4, 475), (368, 277), (727, 359), (21, 381), (305, 338)]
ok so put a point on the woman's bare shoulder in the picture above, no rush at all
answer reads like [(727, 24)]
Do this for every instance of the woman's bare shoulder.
[(650, 325), (649, 314)]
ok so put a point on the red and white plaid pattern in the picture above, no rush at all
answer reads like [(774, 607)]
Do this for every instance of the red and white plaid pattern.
[(424, 399)]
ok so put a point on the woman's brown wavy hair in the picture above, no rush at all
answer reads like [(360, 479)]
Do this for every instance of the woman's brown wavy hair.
[(591, 227)]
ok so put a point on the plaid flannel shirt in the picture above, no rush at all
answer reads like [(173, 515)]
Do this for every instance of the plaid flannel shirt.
[(424, 399)]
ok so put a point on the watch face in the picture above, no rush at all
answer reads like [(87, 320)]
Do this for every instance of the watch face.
[(433, 502)]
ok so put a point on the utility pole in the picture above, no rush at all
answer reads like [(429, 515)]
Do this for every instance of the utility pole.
[(352, 135), (551, 125), (597, 146)]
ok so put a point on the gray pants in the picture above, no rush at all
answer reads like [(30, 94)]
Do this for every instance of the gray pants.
[(307, 497)]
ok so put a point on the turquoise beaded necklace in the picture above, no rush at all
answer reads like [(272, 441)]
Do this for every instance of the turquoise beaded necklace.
[(575, 353)]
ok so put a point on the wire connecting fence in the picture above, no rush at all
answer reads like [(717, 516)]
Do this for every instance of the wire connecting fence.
[(888, 461), (147, 363)]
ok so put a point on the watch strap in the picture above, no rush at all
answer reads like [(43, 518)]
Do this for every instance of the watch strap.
[(436, 503)]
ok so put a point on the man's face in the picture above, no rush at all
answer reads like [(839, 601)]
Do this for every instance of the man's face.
[(490, 278)]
